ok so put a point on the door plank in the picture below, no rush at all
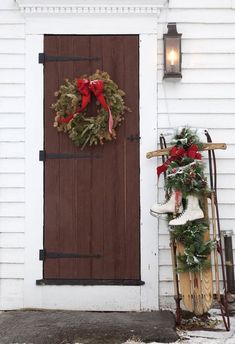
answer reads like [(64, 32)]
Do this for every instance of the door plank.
[(92, 205)]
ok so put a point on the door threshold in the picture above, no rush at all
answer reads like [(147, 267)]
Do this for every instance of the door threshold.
[(123, 282)]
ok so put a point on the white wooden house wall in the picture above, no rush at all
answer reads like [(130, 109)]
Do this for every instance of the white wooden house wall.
[(204, 98), (12, 49)]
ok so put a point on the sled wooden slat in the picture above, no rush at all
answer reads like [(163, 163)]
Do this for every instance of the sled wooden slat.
[(206, 146), (197, 294), (185, 283)]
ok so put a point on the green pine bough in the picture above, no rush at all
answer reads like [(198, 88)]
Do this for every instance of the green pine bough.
[(196, 250), (185, 173), (82, 127)]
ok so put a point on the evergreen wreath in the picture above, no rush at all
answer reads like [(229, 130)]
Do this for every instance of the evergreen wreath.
[(71, 110)]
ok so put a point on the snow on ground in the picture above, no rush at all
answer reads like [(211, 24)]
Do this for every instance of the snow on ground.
[(204, 337), (194, 341)]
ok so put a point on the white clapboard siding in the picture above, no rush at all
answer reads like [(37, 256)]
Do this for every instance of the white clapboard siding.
[(12, 224), (12, 90), (11, 240), (12, 120), (218, 16), (12, 46), (12, 165), (11, 105), (207, 76), (12, 180), (166, 288), (166, 273), (227, 224), (11, 255), (227, 135), (165, 256), (197, 106), (11, 17), (12, 76), (12, 31), (11, 271), (12, 149), (12, 135), (11, 293), (202, 46), (11, 209), (204, 97), (12, 195), (198, 61), (10, 61), (201, 31), (12, 154), (209, 120), (201, 91)]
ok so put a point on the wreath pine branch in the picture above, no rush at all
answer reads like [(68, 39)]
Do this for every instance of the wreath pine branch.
[(82, 127)]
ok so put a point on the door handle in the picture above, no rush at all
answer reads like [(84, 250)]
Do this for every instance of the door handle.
[(135, 137)]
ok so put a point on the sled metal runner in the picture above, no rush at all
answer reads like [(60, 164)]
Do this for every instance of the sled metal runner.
[(197, 290)]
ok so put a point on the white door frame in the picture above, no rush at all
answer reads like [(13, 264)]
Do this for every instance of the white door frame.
[(46, 19)]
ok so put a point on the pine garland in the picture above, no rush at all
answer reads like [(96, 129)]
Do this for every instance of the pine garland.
[(185, 173), (189, 180), (196, 252)]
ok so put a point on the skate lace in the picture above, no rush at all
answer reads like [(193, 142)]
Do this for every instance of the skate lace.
[(180, 215)]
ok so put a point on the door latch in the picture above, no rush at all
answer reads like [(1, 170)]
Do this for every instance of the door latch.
[(133, 137)]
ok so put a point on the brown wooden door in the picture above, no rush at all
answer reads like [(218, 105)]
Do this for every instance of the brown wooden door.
[(92, 204)]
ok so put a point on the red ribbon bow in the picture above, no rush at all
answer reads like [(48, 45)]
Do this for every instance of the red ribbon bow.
[(178, 152), (86, 87)]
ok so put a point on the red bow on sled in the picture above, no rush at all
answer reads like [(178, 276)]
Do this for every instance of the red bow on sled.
[(178, 152), (86, 87)]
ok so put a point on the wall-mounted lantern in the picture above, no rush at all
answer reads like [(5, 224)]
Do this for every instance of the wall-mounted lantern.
[(172, 52)]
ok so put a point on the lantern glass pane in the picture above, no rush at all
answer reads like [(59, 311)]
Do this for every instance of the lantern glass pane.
[(172, 55)]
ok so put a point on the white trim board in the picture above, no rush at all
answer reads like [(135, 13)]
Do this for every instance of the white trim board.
[(91, 6), (100, 298)]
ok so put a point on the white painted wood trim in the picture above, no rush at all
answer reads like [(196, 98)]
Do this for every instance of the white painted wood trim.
[(90, 7), (148, 133), (33, 169), (96, 297), (103, 298)]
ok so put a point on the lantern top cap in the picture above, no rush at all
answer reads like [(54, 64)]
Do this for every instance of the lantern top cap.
[(172, 30)]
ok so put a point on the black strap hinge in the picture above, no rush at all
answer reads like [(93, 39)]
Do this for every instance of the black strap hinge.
[(43, 255), (43, 155), (43, 58)]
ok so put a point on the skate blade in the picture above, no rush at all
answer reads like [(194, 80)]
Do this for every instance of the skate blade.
[(161, 216)]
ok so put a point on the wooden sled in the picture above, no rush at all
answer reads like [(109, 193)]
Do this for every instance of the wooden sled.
[(197, 290)]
